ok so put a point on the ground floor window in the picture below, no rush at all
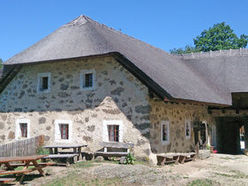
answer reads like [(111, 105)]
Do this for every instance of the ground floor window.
[(63, 130), (165, 132), (112, 130), (22, 128)]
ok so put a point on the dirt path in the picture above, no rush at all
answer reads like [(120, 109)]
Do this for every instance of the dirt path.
[(217, 170)]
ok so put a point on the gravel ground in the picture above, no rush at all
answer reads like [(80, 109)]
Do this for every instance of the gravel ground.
[(219, 169)]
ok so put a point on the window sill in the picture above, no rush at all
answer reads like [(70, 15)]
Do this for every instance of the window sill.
[(62, 141), (85, 89), (165, 142), (43, 91)]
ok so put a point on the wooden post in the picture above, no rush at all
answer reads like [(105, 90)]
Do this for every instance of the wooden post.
[(41, 140), (105, 149), (197, 149), (246, 138)]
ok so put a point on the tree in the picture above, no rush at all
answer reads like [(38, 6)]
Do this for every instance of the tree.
[(1, 62), (218, 37)]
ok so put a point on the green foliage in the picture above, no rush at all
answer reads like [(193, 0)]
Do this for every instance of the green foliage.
[(83, 164), (208, 147), (130, 159), (42, 151), (1, 63), (187, 49), (201, 182), (218, 37)]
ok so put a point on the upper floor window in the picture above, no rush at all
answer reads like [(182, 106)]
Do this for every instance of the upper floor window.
[(187, 129), (22, 128), (87, 79), (44, 82), (165, 132)]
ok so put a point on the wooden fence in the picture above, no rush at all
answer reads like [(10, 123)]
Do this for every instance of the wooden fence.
[(25, 147)]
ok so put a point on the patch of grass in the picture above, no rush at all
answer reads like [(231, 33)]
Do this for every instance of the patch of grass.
[(201, 182), (229, 158), (21, 167), (235, 174), (77, 179), (141, 162), (83, 164)]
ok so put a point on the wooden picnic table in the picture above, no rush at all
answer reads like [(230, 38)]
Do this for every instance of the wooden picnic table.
[(26, 162), (77, 148)]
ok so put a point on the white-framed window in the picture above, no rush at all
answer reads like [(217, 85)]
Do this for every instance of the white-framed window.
[(112, 131), (88, 79), (165, 132), (22, 128), (187, 129), (63, 131), (44, 82)]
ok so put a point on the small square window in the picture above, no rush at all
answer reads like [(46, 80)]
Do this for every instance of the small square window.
[(44, 82), (24, 130), (88, 80), (113, 133), (64, 131)]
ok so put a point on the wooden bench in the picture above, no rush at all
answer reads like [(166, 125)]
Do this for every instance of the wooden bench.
[(18, 171), (14, 165), (163, 159), (114, 149), (6, 180), (67, 158), (111, 154), (175, 158), (187, 157)]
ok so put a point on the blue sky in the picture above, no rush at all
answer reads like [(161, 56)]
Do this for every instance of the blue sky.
[(164, 24)]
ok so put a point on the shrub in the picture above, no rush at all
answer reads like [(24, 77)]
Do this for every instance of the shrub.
[(130, 159), (42, 151)]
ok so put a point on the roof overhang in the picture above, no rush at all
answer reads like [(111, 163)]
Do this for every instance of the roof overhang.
[(126, 63)]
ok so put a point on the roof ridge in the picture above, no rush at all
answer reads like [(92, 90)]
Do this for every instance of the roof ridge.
[(217, 53), (126, 35), (80, 20)]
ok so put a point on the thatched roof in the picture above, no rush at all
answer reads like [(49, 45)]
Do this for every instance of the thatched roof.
[(84, 37)]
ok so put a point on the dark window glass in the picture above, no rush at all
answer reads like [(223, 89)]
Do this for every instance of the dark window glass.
[(64, 131), (113, 133), (88, 80), (187, 129), (44, 83), (164, 132), (24, 130)]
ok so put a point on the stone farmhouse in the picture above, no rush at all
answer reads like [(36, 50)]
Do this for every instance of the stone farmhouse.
[(88, 83)]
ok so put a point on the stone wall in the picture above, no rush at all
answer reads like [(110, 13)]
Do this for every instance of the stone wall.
[(176, 114), (118, 96)]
